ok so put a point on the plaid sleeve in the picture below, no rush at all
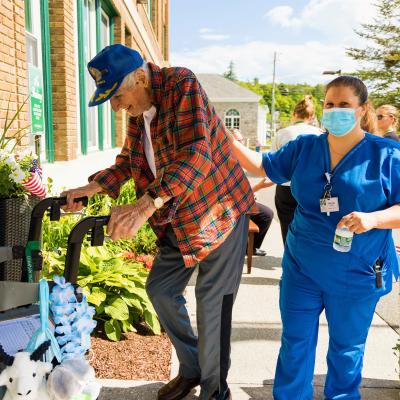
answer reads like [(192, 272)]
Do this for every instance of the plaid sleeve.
[(111, 179), (191, 134)]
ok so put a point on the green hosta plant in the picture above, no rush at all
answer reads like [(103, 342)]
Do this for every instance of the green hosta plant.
[(115, 286)]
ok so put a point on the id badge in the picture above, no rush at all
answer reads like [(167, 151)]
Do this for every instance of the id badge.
[(329, 205)]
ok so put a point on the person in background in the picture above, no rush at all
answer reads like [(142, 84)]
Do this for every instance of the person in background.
[(264, 216), (388, 121), (196, 198), (303, 121), (346, 182)]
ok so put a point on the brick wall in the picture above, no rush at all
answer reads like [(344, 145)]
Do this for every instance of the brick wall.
[(62, 27), (121, 37), (125, 32), (13, 67)]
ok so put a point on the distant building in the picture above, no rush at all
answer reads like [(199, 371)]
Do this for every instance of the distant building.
[(237, 106), (44, 48)]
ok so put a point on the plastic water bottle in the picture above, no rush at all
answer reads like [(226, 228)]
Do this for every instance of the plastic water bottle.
[(342, 240)]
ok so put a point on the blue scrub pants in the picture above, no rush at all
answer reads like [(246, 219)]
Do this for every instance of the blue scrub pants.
[(301, 303)]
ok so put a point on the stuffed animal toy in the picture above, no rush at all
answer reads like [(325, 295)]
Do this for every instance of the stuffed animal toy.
[(72, 380), (25, 375)]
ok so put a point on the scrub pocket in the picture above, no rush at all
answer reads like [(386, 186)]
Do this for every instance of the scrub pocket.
[(363, 276)]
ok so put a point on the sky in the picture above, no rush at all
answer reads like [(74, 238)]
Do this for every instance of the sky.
[(309, 36)]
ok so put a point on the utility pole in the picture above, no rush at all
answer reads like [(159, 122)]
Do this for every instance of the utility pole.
[(273, 99)]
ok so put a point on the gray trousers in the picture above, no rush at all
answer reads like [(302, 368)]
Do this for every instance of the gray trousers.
[(208, 355)]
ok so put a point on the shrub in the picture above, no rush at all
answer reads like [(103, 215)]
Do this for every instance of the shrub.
[(115, 286)]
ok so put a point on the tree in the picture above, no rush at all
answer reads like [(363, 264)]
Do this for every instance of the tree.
[(230, 74), (381, 57), (286, 97)]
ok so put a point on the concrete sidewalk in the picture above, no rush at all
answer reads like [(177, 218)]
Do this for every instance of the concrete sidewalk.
[(256, 320), (256, 340)]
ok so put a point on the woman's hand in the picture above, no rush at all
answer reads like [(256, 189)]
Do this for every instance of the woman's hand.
[(262, 184), (359, 222)]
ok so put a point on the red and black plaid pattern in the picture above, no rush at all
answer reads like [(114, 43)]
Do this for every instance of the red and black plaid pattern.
[(194, 163)]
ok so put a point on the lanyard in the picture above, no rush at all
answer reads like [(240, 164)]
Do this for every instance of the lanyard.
[(328, 189), (328, 186)]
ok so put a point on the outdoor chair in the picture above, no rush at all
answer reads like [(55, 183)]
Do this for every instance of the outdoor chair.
[(253, 229)]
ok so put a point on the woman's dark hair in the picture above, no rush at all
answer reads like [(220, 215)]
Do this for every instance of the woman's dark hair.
[(368, 122)]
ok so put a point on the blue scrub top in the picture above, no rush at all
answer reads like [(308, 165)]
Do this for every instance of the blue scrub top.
[(367, 179)]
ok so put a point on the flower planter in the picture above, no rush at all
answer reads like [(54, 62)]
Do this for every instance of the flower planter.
[(15, 216)]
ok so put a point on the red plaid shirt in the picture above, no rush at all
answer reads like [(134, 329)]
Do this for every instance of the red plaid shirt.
[(195, 166)]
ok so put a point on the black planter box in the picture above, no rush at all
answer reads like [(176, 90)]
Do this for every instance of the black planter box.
[(15, 216)]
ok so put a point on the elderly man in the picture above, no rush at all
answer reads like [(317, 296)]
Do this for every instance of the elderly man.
[(194, 195)]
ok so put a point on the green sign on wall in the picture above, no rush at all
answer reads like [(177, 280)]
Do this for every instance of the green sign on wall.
[(36, 99)]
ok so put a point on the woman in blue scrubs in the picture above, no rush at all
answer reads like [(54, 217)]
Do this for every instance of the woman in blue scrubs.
[(344, 178)]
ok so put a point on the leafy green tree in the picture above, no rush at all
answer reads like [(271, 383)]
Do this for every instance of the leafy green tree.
[(286, 97), (381, 57), (230, 73)]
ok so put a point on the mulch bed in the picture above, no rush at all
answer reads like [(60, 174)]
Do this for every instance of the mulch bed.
[(137, 356)]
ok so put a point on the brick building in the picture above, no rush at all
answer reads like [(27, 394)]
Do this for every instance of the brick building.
[(44, 48), (237, 106)]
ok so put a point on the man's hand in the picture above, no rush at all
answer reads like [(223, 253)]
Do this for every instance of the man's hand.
[(358, 222), (88, 190), (126, 220)]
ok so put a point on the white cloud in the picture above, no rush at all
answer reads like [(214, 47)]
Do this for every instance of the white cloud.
[(206, 30), (214, 37), (295, 63), (282, 15), (332, 23), (208, 34), (336, 19)]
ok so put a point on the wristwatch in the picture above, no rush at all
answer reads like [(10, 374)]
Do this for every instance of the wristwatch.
[(157, 201)]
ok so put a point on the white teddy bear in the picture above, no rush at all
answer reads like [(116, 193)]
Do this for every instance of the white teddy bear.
[(25, 375)]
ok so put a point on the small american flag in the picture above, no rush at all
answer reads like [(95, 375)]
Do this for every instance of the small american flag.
[(398, 250), (36, 168), (34, 184)]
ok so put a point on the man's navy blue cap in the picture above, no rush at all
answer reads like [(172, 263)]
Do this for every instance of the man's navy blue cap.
[(109, 68)]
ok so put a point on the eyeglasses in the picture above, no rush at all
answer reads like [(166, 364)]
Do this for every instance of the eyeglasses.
[(381, 116)]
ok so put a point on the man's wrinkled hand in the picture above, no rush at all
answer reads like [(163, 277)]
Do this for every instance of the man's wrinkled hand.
[(125, 221), (88, 190)]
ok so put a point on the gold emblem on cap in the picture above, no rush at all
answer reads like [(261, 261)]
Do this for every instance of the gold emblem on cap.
[(97, 74), (104, 95)]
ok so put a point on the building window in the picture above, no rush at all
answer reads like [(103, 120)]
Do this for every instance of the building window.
[(95, 31), (232, 119), (90, 50), (150, 10)]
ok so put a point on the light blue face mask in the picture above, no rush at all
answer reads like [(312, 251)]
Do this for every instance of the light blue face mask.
[(339, 121)]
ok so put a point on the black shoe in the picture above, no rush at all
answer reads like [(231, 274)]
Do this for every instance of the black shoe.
[(178, 388), (228, 396), (259, 252)]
